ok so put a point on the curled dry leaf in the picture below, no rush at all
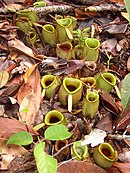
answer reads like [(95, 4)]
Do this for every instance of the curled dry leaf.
[(10, 126), (79, 166), (20, 46)]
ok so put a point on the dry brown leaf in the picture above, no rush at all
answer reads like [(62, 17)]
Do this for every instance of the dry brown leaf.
[(29, 96), (29, 72), (24, 90), (124, 120), (10, 126), (123, 167), (119, 1), (108, 101), (106, 123), (79, 167), (20, 46), (28, 109), (8, 152), (4, 77)]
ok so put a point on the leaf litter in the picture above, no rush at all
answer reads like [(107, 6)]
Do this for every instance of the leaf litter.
[(23, 64)]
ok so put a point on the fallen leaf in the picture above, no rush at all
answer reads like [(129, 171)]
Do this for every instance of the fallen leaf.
[(4, 77), (8, 152), (113, 170), (123, 167), (14, 7), (124, 120), (95, 138), (29, 72), (106, 123), (20, 46), (119, 1), (24, 90), (30, 90), (10, 126), (79, 167), (108, 102), (110, 45), (116, 28), (27, 109)]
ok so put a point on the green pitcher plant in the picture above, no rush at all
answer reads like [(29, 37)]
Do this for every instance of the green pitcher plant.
[(92, 52), (79, 152), (64, 30), (106, 81), (64, 50), (74, 21), (70, 92), (39, 4), (54, 117), (79, 52), (49, 34), (89, 82), (30, 14), (49, 83), (24, 24), (91, 104), (31, 37), (59, 144), (104, 155)]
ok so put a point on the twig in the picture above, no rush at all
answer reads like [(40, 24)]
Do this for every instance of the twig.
[(58, 152), (53, 9), (105, 7), (45, 10), (119, 137)]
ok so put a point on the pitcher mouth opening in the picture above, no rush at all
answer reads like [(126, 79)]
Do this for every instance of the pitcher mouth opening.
[(48, 28), (92, 43), (64, 46), (109, 78), (72, 85), (47, 81)]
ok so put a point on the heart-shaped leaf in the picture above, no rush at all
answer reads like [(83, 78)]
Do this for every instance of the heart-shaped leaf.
[(20, 138), (57, 132)]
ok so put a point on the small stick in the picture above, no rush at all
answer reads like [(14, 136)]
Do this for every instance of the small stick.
[(105, 7)]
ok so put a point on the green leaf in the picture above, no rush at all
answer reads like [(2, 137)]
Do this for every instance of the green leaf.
[(127, 5), (57, 132), (20, 138), (44, 162), (86, 29), (125, 91)]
